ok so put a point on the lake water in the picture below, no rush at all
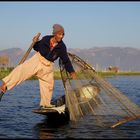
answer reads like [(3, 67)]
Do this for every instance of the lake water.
[(18, 121)]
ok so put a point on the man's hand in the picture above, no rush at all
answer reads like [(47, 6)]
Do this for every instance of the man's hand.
[(73, 75), (36, 38)]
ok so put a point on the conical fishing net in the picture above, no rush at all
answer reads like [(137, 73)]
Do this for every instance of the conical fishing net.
[(92, 95)]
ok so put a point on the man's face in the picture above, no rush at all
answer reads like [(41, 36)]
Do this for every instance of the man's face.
[(59, 36)]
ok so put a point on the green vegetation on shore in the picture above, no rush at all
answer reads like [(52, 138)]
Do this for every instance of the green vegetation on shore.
[(5, 71)]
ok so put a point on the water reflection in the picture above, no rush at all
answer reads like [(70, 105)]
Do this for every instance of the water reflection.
[(47, 129), (84, 128)]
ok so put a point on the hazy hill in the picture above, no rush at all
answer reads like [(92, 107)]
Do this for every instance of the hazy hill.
[(15, 55), (100, 57)]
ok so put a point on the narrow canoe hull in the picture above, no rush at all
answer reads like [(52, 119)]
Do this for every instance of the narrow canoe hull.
[(53, 114)]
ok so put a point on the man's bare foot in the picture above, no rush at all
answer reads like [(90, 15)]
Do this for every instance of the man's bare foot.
[(3, 87)]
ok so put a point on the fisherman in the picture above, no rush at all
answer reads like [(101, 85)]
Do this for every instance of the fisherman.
[(41, 64)]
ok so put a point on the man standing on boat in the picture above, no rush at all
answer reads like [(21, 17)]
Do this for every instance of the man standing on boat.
[(48, 49)]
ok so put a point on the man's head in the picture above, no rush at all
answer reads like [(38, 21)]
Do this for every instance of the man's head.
[(58, 32), (57, 28)]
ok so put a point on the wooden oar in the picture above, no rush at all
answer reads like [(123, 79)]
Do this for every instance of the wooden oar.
[(29, 50)]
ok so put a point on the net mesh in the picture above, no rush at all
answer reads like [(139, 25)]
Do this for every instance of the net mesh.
[(90, 94)]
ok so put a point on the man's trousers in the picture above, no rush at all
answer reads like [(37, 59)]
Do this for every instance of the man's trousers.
[(39, 66)]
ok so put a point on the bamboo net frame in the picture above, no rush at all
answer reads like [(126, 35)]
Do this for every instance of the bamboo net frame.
[(90, 94)]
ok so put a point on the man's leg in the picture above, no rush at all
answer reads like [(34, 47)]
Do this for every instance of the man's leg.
[(46, 81), (46, 89), (20, 74)]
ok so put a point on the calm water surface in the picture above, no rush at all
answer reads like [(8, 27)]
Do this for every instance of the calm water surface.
[(18, 121)]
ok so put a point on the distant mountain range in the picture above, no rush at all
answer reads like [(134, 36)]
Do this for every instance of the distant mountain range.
[(127, 59)]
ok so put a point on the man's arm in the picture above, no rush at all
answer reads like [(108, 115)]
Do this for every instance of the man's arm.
[(67, 63)]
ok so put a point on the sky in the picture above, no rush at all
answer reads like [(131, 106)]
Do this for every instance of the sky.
[(87, 24)]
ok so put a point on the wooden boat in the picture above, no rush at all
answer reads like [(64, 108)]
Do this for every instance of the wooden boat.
[(60, 112)]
